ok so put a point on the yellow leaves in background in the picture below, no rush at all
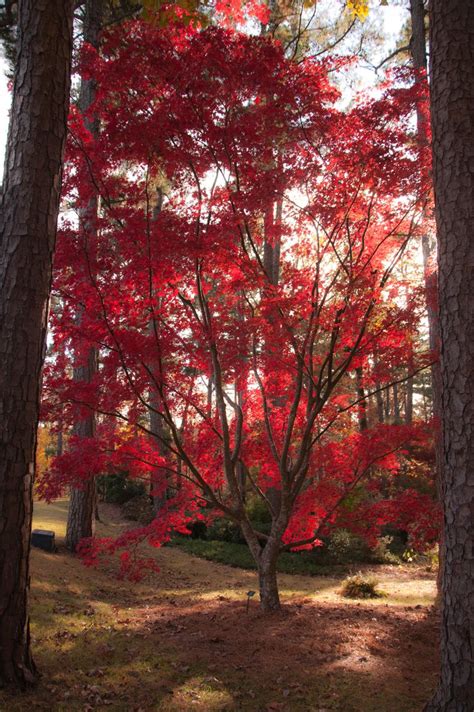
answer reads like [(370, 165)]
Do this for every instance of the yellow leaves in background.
[(161, 12), (359, 8), (44, 449)]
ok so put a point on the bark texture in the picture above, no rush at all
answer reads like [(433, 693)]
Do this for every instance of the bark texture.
[(28, 213), (268, 585), (82, 502), (452, 105)]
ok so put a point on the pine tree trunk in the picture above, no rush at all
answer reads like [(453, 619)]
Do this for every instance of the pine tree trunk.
[(157, 426), (362, 405), (387, 409), (452, 105), (380, 405), (81, 514), (83, 502), (28, 216), (419, 59), (396, 405), (409, 397)]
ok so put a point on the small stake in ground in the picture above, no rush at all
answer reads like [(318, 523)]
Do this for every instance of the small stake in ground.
[(250, 594)]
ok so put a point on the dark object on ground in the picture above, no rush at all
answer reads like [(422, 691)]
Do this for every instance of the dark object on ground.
[(43, 539)]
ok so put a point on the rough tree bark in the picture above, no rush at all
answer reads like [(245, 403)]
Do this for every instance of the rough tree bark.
[(419, 60), (28, 213), (452, 109), (82, 502)]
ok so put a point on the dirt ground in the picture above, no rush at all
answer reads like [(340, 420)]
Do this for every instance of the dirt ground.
[(185, 641)]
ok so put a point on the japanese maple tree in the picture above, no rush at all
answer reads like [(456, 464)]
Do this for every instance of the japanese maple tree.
[(215, 147)]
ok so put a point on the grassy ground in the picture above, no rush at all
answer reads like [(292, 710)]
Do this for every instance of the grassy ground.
[(238, 555), (183, 640)]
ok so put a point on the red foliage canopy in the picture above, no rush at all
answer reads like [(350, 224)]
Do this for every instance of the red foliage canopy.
[(242, 266)]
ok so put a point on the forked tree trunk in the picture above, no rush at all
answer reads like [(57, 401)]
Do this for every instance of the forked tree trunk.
[(83, 502), (452, 110), (28, 215), (266, 560)]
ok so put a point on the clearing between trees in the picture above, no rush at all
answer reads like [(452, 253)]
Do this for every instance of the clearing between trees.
[(184, 640)]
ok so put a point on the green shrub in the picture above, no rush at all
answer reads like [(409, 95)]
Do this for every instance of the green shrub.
[(224, 530), (257, 511), (198, 529), (139, 509), (383, 554), (360, 586), (344, 547), (118, 489)]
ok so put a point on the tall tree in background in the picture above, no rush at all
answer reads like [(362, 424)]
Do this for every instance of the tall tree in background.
[(29, 207), (82, 503), (452, 107)]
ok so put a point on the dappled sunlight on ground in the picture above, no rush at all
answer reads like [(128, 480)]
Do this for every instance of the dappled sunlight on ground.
[(183, 640)]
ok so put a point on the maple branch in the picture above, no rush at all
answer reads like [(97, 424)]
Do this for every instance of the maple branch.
[(405, 48), (328, 515), (367, 395), (340, 39)]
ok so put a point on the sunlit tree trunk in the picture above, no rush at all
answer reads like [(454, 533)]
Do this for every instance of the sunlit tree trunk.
[(452, 110), (419, 60), (28, 216)]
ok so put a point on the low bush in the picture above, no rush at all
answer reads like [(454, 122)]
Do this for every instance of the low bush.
[(139, 509), (224, 530), (360, 586), (344, 547)]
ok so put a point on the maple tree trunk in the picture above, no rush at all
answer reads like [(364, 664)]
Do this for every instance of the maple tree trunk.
[(28, 215), (452, 92), (266, 560), (83, 501), (267, 579)]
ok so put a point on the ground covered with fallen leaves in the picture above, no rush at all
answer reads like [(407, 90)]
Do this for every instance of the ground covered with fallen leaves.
[(184, 640)]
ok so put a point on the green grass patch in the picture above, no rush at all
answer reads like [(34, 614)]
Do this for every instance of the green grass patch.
[(238, 555)]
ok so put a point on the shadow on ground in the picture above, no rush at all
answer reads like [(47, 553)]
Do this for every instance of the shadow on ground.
[(185, 641)]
